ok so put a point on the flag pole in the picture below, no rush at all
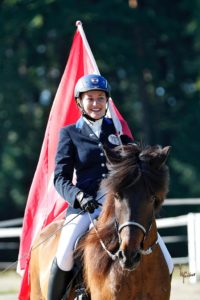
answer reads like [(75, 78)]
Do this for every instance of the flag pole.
[(117, 123), (87, 46)]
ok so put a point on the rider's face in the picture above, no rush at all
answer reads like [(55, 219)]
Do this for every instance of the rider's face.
[(94, 103)]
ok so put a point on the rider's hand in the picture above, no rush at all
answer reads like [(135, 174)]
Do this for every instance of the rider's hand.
[(87, 203)]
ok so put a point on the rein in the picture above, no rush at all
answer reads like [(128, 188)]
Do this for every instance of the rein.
[(112, 256)]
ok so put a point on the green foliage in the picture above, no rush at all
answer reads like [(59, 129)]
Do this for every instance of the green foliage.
[(150, 55)]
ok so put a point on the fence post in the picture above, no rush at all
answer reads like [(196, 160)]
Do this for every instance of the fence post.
[(191, 246), (197, 239)]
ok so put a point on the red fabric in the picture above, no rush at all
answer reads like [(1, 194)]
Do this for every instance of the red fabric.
[(44, 204), (124, 124)]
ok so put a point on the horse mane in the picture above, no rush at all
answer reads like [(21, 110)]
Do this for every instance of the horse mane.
[(126, 162), (124, 165)]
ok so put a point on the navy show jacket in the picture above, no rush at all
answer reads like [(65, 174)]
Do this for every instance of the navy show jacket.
[(81, 150)]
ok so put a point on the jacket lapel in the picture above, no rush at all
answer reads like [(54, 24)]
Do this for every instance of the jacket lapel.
[(85, 129), (106, 129)]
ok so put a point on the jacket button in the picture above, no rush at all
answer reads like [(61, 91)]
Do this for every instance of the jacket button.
[(101, 154), (100, 144), (103, 175), (103, 165)]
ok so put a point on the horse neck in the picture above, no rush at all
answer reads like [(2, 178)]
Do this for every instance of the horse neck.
[(151, 237)]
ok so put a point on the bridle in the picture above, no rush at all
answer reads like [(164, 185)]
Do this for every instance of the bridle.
[(131, 223), (125, 224), (146, 232)]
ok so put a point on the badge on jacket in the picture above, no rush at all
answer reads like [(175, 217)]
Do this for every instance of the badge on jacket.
[(113, 139)]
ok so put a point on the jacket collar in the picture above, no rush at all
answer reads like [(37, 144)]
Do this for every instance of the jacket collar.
[(85, 129)]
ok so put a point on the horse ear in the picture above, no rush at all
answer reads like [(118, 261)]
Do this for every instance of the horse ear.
[(162, 157), (155, 156), (112, 156)]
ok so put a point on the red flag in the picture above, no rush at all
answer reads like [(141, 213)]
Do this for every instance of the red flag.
[(44, 204)]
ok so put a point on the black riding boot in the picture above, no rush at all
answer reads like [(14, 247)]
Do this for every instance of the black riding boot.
[(58, 282)]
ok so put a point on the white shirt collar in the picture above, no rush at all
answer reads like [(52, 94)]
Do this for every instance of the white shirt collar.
[(95, 126)]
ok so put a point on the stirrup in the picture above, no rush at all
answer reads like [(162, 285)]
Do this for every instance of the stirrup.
[(82, 297), (79, 286), (81, 293)]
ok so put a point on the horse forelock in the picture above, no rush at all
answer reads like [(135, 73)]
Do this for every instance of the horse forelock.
[(136, 160)]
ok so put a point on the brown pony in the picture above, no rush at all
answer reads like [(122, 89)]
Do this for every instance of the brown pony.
[(121, 256)]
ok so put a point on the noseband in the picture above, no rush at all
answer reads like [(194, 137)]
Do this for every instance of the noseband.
[(142, 251), (132, 224)]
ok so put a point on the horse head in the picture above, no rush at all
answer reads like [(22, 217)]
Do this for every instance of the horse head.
[(138, 181)]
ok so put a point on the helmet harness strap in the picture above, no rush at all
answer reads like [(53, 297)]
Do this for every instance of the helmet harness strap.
[(86, 115)]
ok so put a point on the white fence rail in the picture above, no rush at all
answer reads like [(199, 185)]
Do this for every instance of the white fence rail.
[(13, 222), (191, 221), (10, 232), (182, 202)]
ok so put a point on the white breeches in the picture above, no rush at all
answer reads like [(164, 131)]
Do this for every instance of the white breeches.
[(69, 235), (76, 228)]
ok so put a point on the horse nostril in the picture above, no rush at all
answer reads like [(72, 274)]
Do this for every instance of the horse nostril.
[(136, 257), (121, 255), (129, 260)]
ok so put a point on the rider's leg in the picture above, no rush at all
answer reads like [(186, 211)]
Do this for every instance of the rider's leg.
[(62, 266), (69, 235), (166, 254), (58, 281)]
